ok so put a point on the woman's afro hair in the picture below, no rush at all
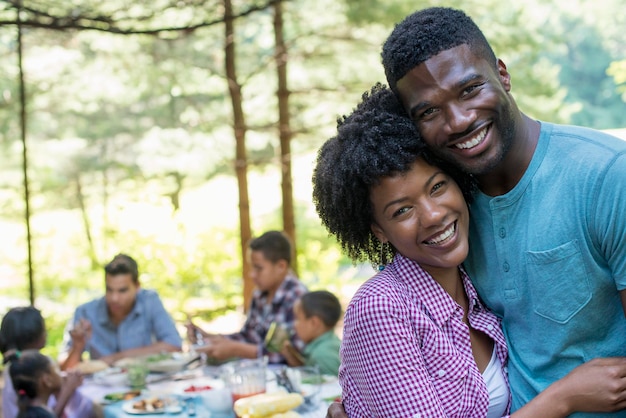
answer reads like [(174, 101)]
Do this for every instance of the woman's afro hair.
[(376, 140)]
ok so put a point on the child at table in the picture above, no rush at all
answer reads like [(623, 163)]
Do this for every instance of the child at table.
[(277, 289), (316, 315), (34, 378), (23, 328)]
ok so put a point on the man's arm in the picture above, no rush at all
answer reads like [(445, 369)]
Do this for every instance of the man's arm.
[(222, 348), (156, 348), (78, 333)]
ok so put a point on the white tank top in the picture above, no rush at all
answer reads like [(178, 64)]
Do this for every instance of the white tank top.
[(496, 386)]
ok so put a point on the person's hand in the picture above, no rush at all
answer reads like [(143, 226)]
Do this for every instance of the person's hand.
[(72, 380), (219, 347), (81, 333), (192, 332), (335, 410), (596, 386), (195, 334), (291, 354)]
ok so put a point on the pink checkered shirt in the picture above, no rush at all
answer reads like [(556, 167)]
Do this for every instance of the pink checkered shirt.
[(406, 351)]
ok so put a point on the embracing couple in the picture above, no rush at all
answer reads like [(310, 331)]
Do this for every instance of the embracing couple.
[(501, 241)]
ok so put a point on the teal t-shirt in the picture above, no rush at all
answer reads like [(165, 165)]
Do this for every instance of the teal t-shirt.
[(550, 256), (323, 352)]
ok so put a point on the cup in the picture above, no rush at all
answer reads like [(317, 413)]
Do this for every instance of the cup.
[(245, 377), (137, 373), (307, 380)]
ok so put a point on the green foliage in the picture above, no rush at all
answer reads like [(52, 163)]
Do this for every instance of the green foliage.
[(142, 123)]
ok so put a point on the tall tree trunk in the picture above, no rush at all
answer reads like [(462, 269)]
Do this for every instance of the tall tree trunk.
[(284, 129), (86, 223), (23, 113), (241, 163)]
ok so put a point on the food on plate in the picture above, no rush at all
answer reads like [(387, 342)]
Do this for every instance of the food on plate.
[(194, 388), (268, 405), (149, 404), (122, 396), (91, 366)]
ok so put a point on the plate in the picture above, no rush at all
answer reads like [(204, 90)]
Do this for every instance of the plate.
[(113, 376), (160, 363), (170, 406), (91, 366)]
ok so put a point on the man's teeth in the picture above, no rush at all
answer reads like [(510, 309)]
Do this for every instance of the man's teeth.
[(444, 235), (473, 142)]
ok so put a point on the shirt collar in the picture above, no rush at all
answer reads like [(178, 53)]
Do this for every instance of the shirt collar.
[(282, 290), (439, 304)]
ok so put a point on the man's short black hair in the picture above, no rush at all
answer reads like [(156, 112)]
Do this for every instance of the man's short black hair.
[(425, 34), (123, 264), (274, 245), (323, 304)]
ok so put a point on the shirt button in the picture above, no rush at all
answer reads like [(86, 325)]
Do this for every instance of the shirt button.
[(506, 370), (490, 327), (441, 373), (418, 415), (502, 232), (506, 266)]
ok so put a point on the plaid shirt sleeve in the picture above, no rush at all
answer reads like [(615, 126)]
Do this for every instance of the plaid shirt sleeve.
[(259, 317)]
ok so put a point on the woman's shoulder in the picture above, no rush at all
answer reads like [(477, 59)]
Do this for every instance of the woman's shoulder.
[(383, 286)]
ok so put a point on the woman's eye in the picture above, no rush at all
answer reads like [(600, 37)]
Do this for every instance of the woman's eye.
[(400, 212), (438, 186)]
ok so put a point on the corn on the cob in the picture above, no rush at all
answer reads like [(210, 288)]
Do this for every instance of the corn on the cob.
[(267, 404), (288, 414)]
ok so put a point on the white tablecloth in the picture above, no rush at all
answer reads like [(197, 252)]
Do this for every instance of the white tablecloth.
[(199, 377)]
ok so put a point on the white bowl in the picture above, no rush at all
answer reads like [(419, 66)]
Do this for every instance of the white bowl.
[(218, 400)]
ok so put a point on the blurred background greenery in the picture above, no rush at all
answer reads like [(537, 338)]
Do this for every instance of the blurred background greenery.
[(130, 137)]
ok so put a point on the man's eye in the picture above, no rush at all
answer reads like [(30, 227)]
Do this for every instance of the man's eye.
[(427, 113), (472, 89)]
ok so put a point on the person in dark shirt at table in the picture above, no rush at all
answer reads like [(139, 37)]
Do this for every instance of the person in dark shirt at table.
[(277, 289)]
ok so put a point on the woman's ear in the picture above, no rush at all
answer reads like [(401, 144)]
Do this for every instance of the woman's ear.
[(378, 232)]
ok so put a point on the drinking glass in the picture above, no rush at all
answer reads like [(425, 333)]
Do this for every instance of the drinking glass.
[(245, 377)]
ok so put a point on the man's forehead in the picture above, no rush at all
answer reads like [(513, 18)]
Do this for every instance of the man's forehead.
[(119, 281)]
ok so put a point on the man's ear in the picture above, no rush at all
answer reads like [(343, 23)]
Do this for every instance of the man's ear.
[(283, 265), (505, 77)]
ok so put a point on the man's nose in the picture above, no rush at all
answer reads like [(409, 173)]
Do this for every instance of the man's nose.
[(458, 119)]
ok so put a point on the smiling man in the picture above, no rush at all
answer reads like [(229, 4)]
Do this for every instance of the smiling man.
[(127, 322)]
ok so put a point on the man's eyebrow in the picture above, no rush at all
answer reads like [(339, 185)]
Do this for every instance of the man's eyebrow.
[(458, 85)]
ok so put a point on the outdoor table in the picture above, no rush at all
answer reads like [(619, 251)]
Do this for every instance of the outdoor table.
[(208, 375)]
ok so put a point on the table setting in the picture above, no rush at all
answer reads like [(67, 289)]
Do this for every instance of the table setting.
[(187, 387)]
